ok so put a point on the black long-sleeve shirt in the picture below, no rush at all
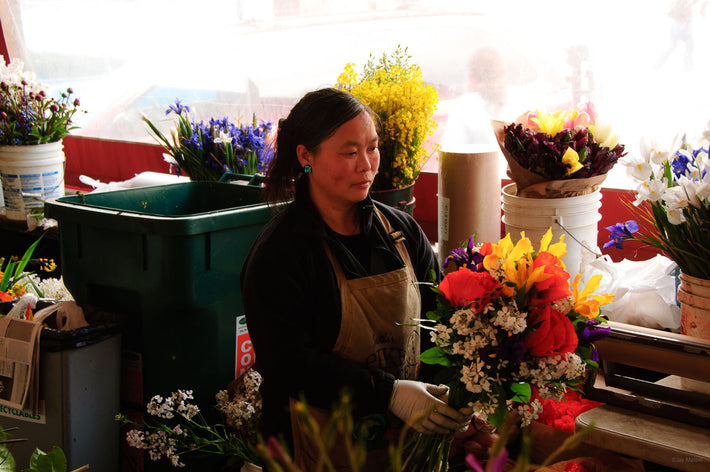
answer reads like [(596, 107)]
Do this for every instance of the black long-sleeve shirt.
[(292, 305)]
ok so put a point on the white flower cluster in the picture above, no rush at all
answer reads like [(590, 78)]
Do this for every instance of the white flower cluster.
[(469, 336), (550, 373), (176, 403), (508, 317), (689, 181), (482, 409), (157, 443), (50, 288), (529, 412), (241, 405), (14, 74)]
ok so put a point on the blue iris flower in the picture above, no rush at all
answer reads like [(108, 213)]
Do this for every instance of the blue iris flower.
[(178, 108), (680, 164), (619, 232)]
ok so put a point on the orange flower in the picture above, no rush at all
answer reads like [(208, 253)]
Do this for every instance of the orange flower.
[(585, 302), (555, 286)]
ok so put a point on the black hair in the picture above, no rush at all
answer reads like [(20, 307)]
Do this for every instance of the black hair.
[(311, 121)]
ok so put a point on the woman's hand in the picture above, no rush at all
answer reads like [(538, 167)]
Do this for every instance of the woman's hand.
[(418, 404)]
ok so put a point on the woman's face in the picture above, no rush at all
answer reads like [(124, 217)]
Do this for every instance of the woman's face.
[(345, 164)]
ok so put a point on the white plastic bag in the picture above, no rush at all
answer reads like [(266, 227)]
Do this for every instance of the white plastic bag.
[(645, 291)]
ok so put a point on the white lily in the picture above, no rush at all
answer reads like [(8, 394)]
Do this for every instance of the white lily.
[(676, 198), (652, 151), (223, 137), (675, 216), (689, 187), (639, 168), (651, 190)]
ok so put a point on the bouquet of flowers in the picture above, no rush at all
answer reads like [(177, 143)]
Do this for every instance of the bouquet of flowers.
[(205, 151), (673, 205), (28, 114), (509, 329), (394, 89), (181, 430), (561, 154)]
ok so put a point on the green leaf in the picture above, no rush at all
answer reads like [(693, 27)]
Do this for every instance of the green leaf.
[(522, 392), (7, 461), (435, 355), (498, 417), (54, 461)]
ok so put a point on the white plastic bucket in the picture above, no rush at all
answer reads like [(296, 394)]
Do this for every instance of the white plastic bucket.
[(578, 215), (30, 175)]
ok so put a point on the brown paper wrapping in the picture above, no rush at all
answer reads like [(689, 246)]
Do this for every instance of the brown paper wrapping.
[(468, 197), (532, 185)]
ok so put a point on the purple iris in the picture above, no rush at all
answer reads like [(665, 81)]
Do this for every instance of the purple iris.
[(512, 350), (619, 232), (178, 108), (594, 331), (465, 256)]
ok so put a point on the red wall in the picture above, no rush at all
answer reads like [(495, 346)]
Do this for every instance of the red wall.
[(109, 161)]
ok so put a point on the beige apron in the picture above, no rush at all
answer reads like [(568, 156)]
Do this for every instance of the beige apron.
[(371, 335)]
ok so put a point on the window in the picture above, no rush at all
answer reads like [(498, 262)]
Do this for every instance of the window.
[(639, 63)]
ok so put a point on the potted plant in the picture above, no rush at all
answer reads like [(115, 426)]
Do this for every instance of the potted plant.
[(673, 208), (206, 151), (32, 127), (394, 89)]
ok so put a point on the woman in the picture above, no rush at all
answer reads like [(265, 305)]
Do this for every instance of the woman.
[(330, 286)]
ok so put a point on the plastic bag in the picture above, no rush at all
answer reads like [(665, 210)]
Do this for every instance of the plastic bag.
[(645, 291), (69, 315)]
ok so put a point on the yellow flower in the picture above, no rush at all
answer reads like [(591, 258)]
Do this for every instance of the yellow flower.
[(395, 90), (550, 123), (516, 261), (499, 253), (571, 159), (585, 302), (557, 249)]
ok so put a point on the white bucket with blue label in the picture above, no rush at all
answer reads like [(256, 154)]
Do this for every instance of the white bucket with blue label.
[(30, 175)]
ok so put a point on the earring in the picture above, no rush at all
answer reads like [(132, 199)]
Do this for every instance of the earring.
[(307, 169)]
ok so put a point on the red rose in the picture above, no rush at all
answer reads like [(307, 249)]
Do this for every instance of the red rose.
[(464, 286), (554, 287), (555, 335)]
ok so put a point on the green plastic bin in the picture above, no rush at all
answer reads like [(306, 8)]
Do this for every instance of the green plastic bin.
[(169, 257)]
